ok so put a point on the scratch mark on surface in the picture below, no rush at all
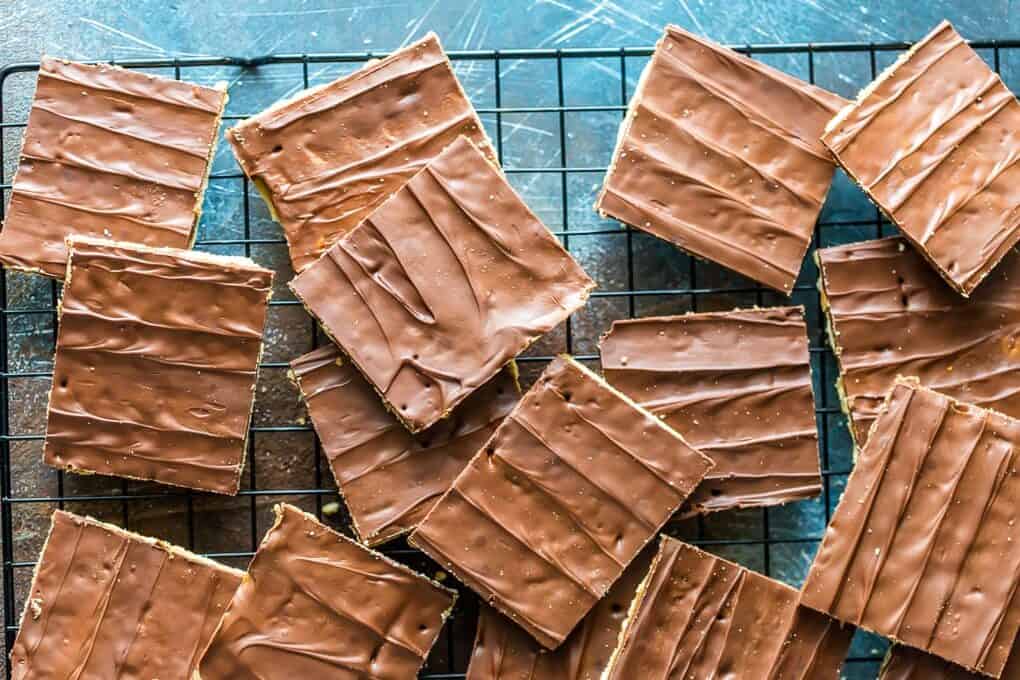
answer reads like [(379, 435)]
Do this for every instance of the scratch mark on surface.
[(306, 12), (418, 24), (864, 28), (140, 45), (693, 17)]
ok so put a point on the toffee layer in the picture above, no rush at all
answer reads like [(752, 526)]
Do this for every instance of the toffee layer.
[(737, 386), (566, 493)]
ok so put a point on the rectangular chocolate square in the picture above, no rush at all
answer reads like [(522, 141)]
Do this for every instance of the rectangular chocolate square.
[(109, 153), (737, 386), (907, 663), (890, 314), (699, 616), (921, 548), (106, 604), (325, 159), (316, 604), (503, 651), (719, 155), (443, 285), (566, 493), (156, 361), (390, 478), (934, 142)]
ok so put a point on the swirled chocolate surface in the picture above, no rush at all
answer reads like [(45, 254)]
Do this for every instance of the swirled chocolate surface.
[(921, 548), (108, 153), (388, 477), (890, 314), (503, 651), (327, 158), (564, 496), (315, 604), (935, 143), (442, 286), (109, 604), (700, 616), (157, 355), (719, 154), (737, 386)]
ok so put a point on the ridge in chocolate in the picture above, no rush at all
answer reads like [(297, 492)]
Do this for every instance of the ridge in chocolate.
[(699, 616), (737, 386), (327, 158), (156, 361), (388, 477), (106, 604), (315, 604), (889, 314), (503, 651), (719, 155), (569, 489), (443, 285), (108, 153), (934, 142), (927, 516)]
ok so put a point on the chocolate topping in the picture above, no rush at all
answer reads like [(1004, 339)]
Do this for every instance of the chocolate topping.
[(569, 489), (442, 286), (890, 314), (108, 153), (927, 517), (719, 154), (699, 616), (327, 158), (935, 143), (157, 354), (389, 477), (316, 604), (737, 386), (109, 604), (907, 663), (505, 652)]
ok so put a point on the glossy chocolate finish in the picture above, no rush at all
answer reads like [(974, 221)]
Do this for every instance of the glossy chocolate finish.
[(390, 478), (157, 355), (505, 652), (700, 616), (890, 314), (569, 489), (316, 604), (442, 286), (907, 663), (737, 386), (108, 153), (327, 158), (920, 548), (108, 604), (719, 154), (935, 143)]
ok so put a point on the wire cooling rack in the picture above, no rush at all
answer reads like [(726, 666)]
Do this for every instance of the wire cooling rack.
[(565, 105)]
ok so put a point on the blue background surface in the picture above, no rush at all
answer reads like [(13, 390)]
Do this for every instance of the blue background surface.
[(154, 29)]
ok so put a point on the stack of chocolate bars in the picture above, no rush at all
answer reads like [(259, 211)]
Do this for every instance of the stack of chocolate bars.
[(430, 275)]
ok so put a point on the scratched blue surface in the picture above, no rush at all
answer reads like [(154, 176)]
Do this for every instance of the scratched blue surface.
[(157, 29)]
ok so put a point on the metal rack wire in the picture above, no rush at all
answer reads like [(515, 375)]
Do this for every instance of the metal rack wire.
[(756, 538)]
